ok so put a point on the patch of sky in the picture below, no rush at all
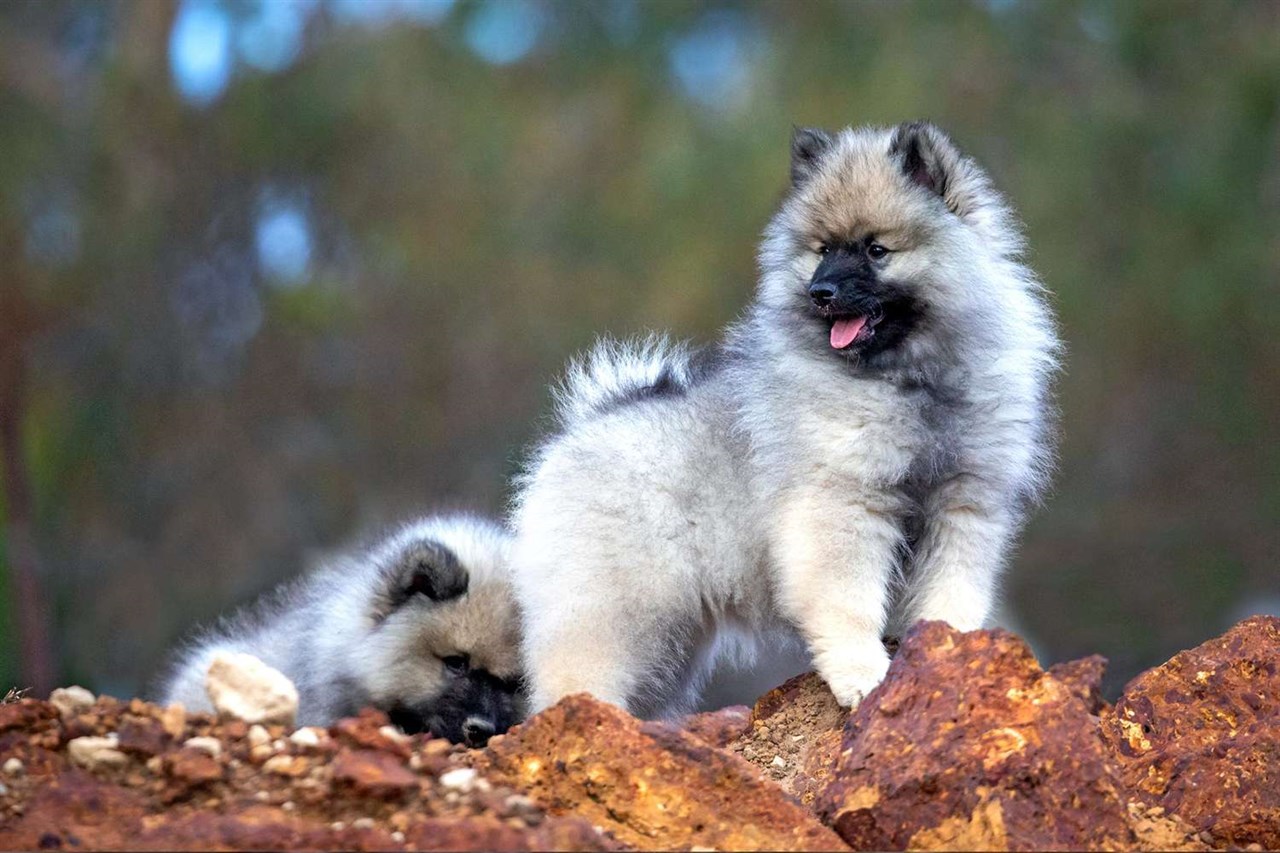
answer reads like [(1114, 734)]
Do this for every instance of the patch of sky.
[(380, 13), (282, 239), (269, 38), (200, 51), (711, 61), (505, 31)]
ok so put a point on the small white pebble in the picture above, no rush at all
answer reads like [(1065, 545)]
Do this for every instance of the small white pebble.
[(779, 762), (13, 767), (210, 746), (337, 826), (4, 789), (393, 734), (397, 837), (282, 764), (279, 744), (71, 700), (258, 736), (288, 805), (459, 779), (261, 796), (155, 764), (519, 802), (97, 752), (362, 823), (305, 737)]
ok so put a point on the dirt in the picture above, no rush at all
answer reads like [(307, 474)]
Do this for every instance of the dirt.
[(967, 744)]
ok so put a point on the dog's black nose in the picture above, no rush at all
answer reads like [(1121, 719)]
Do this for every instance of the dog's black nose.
[(476, 731), (822, 292)]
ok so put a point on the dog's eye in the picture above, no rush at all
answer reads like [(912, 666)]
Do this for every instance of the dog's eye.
[(457, 664), (822, 249), (876, 251)]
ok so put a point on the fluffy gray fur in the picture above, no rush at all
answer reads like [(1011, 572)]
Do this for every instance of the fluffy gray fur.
[(358, 632), (782, 483)]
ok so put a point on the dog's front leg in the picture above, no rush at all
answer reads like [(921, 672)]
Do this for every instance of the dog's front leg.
[(835, 563), (954, 573)]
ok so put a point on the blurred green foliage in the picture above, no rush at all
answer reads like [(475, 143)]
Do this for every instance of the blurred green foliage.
[(201, 416)]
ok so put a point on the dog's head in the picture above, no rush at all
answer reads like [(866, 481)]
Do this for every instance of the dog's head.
[(884, 242), (443, 650)]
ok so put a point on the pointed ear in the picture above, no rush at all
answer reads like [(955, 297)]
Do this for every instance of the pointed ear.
[(429, 569), (808, 146), (927, 157)]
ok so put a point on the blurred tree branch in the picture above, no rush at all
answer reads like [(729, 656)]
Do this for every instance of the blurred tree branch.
[(18, 321)]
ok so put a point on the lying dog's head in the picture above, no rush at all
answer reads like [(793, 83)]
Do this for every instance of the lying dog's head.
[(443, 649)]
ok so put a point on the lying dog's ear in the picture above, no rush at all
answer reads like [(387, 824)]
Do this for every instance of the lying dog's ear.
[(433, 570), (424, 569)]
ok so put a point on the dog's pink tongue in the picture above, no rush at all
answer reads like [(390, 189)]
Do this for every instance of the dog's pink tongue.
[(845, 330)]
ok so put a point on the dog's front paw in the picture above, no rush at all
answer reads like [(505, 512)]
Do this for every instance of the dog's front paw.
[(852, 675)]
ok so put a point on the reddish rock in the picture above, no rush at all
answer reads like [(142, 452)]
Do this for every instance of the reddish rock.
[(257, 827), (369, 731), (795, 735), (969, 744), (29, 715), (193, 767), (143, 737), (1083, 677), (74, 809), (1200, 735), (373, 773), (489, 834), (186, 799), (650, 785), (719, 728)]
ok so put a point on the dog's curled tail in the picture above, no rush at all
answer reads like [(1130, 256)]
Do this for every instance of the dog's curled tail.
[(614, 373)]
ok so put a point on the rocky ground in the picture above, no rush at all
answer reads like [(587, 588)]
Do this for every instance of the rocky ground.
[(968, 744)]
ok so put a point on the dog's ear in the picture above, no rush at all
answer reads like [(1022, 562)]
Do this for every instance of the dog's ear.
[(929, 158), (925, 154), (427, 569), (808, 146)]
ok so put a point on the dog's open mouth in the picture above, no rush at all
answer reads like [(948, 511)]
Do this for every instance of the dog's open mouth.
[(850, 329)]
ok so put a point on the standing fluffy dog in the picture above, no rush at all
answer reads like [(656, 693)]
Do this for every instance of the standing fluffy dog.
[(857, 455), (423, 625)]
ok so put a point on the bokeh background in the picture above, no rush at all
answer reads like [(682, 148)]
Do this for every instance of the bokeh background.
[(274, 273)]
